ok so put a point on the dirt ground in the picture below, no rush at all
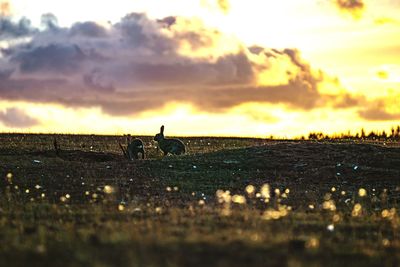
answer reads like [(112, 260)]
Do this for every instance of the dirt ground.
[(89, 205)]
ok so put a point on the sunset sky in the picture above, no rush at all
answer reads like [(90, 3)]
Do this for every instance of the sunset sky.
[(200, 67)]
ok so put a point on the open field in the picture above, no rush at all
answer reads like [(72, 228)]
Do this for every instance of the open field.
[(327, 203)]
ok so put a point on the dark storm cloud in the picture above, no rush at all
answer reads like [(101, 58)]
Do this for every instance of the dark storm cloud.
[(137, 31), (16, 118), (88, 29), (135, 65), (36, 90), (354, 7), (10, 29), (96, 81), (167, 21), (50, 22), (234, 68), (55, 57), (5, 74), (296, 59), (229, 69)]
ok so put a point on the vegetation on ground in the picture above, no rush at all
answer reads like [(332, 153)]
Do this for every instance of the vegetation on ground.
[(227, 202)]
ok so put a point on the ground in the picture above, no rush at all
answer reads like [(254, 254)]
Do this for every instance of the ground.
[(227, 202)]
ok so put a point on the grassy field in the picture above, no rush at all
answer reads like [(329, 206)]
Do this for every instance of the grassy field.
[(227, 202)]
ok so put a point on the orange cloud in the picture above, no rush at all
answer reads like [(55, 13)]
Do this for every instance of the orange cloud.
[(5, 8), (354, 7), (378, 113)]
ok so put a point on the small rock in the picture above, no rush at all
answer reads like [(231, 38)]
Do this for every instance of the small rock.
[(231, 161)]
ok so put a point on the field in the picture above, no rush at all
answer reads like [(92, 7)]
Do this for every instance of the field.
[(227, 202)]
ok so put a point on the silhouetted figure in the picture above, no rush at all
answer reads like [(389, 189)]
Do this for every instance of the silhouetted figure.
[(169, 145)]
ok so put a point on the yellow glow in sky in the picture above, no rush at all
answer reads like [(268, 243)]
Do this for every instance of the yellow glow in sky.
[(249, 120)]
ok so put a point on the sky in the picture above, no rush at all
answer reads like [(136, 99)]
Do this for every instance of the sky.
[(251, 68)]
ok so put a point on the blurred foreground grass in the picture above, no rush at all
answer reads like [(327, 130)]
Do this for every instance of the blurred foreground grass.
[(230, 202)]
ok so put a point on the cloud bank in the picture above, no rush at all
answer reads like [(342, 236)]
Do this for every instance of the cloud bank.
[(139, 64), (16, 118)]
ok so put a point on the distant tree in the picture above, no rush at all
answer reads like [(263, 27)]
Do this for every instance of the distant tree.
[(372, 135), (311, 136), (362, 133)]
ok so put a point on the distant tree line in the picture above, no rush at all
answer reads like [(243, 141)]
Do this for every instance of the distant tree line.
[(394, 134)]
